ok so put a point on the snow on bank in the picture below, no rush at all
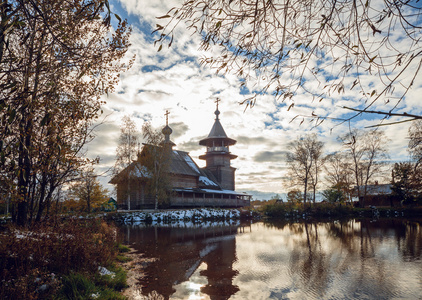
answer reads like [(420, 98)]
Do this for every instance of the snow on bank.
[(181, 217)]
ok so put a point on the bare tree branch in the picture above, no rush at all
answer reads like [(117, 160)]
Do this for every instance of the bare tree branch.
[(322, 48)]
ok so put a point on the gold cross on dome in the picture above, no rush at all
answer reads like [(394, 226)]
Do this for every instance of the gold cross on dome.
[(167, 117)]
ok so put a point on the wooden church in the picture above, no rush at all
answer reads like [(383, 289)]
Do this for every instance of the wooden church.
[(191, 186)]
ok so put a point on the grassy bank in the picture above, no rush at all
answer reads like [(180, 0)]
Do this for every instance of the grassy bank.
[(61, 259)]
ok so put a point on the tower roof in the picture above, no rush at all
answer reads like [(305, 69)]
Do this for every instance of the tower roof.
[(217, 133)]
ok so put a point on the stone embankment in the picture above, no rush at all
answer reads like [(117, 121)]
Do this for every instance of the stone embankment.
[(196, 215)]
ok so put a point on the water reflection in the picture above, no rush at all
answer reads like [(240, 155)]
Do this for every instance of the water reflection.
[(180, 251), (325, 260)]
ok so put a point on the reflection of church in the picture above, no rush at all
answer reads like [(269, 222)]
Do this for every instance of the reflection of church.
[(181, 252), (212, 186), (220, 271)]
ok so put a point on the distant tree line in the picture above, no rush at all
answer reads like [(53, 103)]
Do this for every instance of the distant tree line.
[(361, 161)]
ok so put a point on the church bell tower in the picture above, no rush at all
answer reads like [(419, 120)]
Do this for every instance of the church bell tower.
[(218, 155)]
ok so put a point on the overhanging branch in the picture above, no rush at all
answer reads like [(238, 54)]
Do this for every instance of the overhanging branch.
[(390, 114)]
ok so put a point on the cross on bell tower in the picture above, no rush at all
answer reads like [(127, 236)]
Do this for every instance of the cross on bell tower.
[(218, 155), (216, 101)]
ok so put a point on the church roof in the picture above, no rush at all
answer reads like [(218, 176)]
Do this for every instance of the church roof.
[(207, 180), (180, 164), (217, 133), (134, 170), (217, 130)]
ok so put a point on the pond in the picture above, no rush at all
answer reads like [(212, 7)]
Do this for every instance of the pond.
[(354, 259)]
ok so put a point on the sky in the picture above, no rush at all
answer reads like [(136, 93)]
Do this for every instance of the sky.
[(174, 80)]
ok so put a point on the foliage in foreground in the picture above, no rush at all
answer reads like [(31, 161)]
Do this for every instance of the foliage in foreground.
[(86, 286), (59, 259)]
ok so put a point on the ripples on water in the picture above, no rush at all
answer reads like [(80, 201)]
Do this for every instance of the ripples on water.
[(325, 260)]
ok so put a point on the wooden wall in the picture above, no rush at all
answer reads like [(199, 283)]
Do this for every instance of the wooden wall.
[(184, 181)]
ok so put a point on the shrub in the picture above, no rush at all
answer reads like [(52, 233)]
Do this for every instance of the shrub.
[(331, 210), (122, 248), (288, 210), (76, 286), (81, 286), (274, 210), (36, 257)]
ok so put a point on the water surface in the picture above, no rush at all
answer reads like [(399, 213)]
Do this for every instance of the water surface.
[(325, 260)]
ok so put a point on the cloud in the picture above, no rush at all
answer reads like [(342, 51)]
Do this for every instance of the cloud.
[(179, 129), (192, 145), (257, 140), (270, 156), (174, 80)]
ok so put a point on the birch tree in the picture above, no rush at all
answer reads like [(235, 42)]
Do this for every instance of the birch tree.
[(127, 150), (415, 142), (156, 158), (414, 167), (338, 173), (304, 163), (367, 153), (128, 145)]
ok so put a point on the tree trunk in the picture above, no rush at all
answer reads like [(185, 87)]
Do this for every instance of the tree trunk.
[(305, 191), (128, 193), (23, 180)]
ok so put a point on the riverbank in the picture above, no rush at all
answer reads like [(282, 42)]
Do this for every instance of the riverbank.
[(293, 212), (61, 259), (133, 266), (283, 211)]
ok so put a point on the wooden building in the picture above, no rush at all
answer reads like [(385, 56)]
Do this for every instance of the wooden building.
[(191, 186), (377, 195)]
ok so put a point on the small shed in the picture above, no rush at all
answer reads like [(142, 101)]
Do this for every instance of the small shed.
[(110, 205)]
